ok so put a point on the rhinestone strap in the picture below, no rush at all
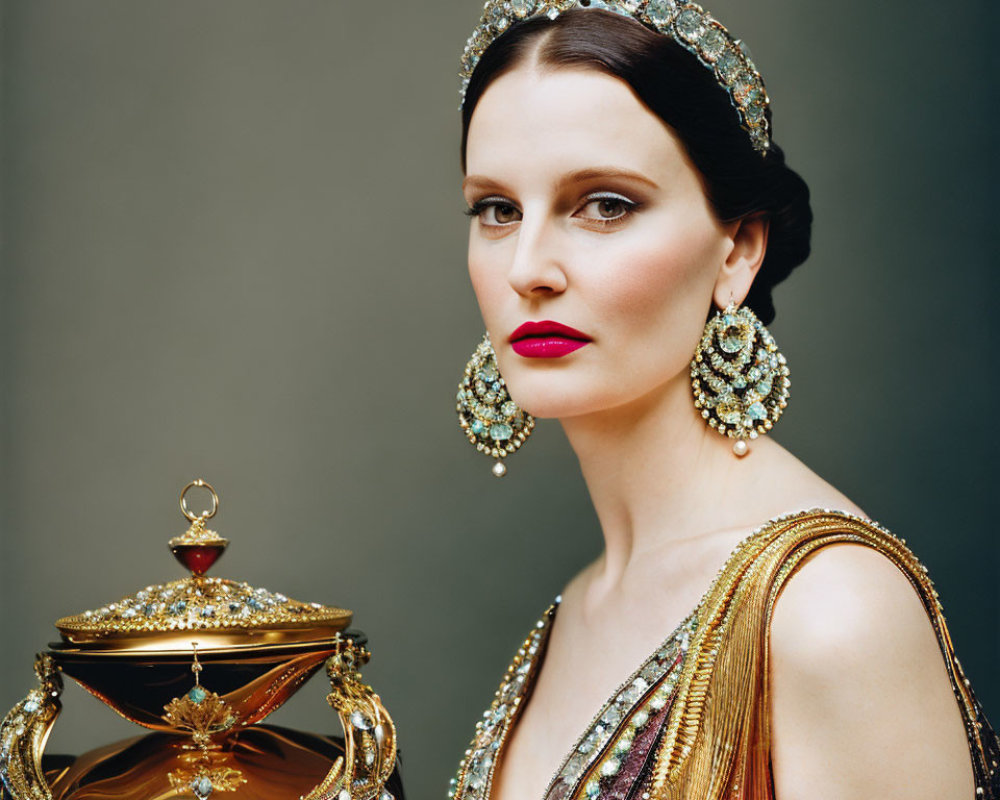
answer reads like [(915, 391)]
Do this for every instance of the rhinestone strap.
[(688, 24), (599, 753)]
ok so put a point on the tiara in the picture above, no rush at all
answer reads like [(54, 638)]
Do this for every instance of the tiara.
[(687, 24)]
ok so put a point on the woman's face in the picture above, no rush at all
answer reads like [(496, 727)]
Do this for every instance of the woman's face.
[(587, 214)]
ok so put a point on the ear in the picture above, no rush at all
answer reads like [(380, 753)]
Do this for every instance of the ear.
[(749, 240)]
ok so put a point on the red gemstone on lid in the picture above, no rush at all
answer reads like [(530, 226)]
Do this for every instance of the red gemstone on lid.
[(198, 557)]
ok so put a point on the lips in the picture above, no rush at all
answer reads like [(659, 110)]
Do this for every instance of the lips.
[(547, 339)]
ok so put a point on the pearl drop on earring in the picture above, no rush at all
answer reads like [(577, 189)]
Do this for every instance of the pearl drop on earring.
[(499, 469), (741, 448)]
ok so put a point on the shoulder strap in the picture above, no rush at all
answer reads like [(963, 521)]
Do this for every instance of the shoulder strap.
[(717, 738)]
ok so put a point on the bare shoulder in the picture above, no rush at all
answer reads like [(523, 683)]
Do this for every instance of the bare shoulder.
[(849, 597), (861, 703)]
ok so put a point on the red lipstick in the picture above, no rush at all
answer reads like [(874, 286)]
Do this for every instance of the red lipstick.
[(546, 339)]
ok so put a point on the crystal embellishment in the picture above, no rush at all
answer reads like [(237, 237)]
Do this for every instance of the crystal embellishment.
[(743, 88), (728, 64), (688, 24), (488, 417), (736, 334), (712, 44), (500, 432), (472, 782), (601, 752), (739, 378), (202, 604), (498, 17), (361, 721), (661, 12), (197, 695)]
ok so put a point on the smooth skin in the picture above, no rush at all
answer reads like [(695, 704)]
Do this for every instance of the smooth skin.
[(588, 212)]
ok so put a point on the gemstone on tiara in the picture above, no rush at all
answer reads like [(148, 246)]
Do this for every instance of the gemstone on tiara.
[(712, 44), (688, 24), (728, 65), (661, 12)]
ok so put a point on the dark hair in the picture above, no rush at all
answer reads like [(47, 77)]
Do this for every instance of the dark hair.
[(738, 180)]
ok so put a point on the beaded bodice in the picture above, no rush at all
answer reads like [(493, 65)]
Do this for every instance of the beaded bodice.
[(612, 751)]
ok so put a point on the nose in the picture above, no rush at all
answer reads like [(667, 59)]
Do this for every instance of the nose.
[(537, 269)]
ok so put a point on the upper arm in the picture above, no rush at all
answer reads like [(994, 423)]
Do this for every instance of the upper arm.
[(861, 703)]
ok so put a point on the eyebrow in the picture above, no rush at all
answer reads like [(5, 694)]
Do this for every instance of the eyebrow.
[(578, 176), (605, 172), (482, 182)]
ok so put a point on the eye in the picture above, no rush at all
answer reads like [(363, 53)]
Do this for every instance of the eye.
[(495, 211), (606, 207)]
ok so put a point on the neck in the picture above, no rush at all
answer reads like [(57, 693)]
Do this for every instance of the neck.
[(656, 472)]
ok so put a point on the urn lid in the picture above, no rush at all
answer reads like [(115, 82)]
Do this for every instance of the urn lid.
[(211, 613)]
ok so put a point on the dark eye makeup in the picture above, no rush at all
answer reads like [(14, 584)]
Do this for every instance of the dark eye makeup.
[(610, 208)]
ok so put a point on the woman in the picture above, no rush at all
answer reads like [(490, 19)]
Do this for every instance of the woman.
[(623, 187)]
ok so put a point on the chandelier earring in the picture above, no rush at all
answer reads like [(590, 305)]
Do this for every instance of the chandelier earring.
[(493, 422), (740, 379)]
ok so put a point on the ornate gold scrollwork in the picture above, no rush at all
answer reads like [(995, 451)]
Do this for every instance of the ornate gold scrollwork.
[(24, 732), (205, 773), (369, 734), (199, 712)]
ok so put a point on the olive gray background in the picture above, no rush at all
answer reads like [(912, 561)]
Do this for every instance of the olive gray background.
[(233, 248)]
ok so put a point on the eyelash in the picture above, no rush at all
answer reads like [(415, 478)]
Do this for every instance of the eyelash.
[(630, 207), (478, 207)]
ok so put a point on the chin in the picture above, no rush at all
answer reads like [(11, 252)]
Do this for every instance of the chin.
[(557, 394), (554, 396)]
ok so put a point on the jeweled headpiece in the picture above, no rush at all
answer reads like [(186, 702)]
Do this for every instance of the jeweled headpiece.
[(688, 24)]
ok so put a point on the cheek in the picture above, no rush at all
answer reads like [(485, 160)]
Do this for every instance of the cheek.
[(479, 275), (658, 294), (487, 273)]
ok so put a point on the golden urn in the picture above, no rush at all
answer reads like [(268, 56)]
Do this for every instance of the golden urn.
[(202, 661)]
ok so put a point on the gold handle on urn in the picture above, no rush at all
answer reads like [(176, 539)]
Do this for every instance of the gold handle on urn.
[(369, 733), (24, 732)]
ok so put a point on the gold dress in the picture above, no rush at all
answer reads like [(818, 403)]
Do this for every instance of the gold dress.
[(692, 722)]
